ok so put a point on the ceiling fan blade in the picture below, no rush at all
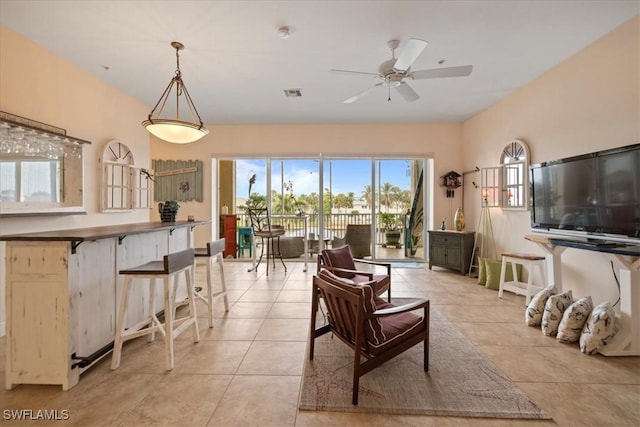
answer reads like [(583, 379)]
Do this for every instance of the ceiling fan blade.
[(407, 92), (409, 54), (354, 73), (361, 94), (461, 71)]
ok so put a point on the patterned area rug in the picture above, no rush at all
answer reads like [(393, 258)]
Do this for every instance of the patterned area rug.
[(461, 381)]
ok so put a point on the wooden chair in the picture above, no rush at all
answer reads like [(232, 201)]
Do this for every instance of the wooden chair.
[(268, 234), (375, 329), (358, 237), (342, 264)]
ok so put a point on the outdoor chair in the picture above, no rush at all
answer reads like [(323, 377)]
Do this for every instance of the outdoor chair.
[(358, 237), (269, 235), (342, 266), (375, 329)]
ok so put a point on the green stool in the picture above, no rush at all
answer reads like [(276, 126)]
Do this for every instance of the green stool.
[(245, 240)]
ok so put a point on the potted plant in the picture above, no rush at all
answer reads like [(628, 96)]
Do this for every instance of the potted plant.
[(168, 210), (391, 226)]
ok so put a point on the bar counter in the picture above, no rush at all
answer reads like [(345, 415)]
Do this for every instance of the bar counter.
[(62, 288)]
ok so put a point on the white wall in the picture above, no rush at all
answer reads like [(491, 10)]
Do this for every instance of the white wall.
[(588, 103)]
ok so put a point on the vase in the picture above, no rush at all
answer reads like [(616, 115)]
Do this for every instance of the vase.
[(458, 220), (166, 214)]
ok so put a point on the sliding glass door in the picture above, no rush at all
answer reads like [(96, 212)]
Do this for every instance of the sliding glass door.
[(376, 205)]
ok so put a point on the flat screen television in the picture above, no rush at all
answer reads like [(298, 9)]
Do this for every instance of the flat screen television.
[(594, 196)]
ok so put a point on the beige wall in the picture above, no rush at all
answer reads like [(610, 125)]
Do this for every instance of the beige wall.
[(37, 84), (590, 102)]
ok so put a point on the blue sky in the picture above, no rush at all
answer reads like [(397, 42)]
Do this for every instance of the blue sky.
[(347, 175)]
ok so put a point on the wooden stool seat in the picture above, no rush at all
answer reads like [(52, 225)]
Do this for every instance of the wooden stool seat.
[(169, 269), (530, 262), (214, 249)]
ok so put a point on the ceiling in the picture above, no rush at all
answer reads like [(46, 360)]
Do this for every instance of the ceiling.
[(236, 66)]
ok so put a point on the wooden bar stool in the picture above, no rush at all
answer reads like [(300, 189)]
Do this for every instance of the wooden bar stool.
[(213, 250), (169, 269), (529, 261)]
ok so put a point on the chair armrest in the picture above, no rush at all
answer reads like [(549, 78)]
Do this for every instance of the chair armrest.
[(345, 270), (369, 262), (421, 303)]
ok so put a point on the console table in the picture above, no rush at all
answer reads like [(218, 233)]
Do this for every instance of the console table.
[(627, 341), (62, 287), (451, 249)]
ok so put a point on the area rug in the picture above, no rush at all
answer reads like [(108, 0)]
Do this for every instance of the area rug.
[(461, 381), (406, 265)]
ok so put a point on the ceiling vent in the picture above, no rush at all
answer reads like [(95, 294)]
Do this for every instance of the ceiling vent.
[(293, 93)]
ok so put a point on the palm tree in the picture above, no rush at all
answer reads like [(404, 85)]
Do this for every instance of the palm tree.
[(387, 194), (365, 196)]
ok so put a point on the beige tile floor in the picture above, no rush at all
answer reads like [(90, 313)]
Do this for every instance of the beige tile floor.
[(247, 370)]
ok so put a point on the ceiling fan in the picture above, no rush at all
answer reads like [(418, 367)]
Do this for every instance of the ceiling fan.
[(394, 71)]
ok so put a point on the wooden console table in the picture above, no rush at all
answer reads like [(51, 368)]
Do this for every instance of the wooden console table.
[(62, 288), (627, 341)]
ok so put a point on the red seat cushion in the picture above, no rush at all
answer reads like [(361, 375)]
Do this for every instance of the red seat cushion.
[(380, 282), (340, 258)]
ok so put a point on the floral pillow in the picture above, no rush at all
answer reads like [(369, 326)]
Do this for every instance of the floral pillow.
[(533, 313), (573, 320), (599, 328), (553, 311)]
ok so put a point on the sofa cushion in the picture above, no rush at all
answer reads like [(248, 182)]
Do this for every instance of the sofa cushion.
[(533, 313), (340, 258), (553, 311), (573, 320), (599, 328)]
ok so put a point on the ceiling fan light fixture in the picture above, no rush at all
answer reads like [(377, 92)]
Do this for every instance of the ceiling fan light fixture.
[(176, 131)]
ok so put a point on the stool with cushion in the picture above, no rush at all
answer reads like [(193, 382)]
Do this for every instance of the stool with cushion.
[(214, 250), (168, 270), (530, 262)]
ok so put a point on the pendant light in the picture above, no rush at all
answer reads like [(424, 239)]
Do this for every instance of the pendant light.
[(175, 130)]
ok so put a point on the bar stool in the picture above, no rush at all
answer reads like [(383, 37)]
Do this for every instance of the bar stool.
[(169, 269), (213, 250), (527, 288)]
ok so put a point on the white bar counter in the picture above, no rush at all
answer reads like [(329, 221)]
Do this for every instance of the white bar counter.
[(62, 289)]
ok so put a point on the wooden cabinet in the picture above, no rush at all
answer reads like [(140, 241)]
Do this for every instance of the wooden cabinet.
[(228, 231), (451, 249)]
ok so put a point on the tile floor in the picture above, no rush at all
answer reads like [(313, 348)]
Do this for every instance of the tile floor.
[(246, 371)]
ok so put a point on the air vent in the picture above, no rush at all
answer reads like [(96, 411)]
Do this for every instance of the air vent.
[(293, 93)]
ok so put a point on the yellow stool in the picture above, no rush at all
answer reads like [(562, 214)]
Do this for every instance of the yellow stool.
[(213, 250), (529, 261), (168, 270)]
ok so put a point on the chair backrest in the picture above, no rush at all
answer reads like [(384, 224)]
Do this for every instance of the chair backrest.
[(178, 260), (358, 237), (260, 219), (340, 258), (345, 310)]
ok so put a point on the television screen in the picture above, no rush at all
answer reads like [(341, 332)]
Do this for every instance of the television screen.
[(597, 194)]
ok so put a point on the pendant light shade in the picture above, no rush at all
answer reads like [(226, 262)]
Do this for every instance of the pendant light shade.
[(176, 130)]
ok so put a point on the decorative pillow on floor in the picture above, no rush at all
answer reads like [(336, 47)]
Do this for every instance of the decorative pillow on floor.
[(533, 313), (493, 267), (599, 328), (573, 320), (553, 311)]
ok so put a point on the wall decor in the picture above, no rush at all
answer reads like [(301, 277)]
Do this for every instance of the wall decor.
[(179, 180), (124, 185)]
